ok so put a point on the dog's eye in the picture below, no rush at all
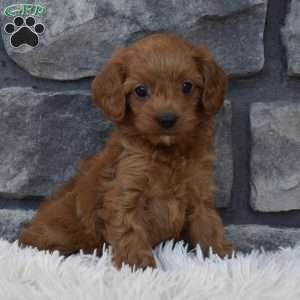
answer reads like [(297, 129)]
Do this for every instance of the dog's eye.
[(187, 87), (141, 91)]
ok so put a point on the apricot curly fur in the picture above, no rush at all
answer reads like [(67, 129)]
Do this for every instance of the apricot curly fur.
[(149, 184)]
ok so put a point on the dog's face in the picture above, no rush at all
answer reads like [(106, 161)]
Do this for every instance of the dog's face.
[(161, 86)]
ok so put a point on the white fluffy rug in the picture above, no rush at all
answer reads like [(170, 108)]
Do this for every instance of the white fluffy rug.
[(33, 275)]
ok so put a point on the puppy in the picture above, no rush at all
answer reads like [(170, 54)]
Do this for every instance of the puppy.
[(154, 179)]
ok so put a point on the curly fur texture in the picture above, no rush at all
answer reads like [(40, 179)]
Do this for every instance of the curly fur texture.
[(149, 184)]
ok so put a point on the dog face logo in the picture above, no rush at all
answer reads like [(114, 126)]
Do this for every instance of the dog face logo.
[(24, 30)]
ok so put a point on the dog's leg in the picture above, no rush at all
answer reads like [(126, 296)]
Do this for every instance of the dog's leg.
[(204, 227), (66, 222), (56, 227), (126, 232), (124, 212), (130, 244)]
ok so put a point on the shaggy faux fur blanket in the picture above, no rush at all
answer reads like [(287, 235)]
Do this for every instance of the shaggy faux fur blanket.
[(33, 275)]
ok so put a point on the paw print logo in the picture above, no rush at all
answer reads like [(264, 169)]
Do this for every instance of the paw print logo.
[(24, 32)]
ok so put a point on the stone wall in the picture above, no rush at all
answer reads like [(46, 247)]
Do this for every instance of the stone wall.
[(47, 121)]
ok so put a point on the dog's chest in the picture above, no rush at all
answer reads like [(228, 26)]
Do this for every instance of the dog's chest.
[(165, 198)]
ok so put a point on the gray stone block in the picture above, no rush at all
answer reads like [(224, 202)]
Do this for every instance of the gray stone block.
[(81, 35), (275, 156), (11, 221), (43, 135), (224, 162), (291, 38), (248, 237)]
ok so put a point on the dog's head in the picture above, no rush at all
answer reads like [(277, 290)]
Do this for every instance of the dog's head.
[(161, 86)]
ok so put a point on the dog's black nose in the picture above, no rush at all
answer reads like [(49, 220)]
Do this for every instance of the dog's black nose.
[(166, 120)]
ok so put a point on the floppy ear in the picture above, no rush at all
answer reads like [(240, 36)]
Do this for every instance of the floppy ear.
[(107, 88), (215, 81)]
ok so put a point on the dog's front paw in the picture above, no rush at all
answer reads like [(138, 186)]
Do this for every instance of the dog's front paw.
[(226, 249), (138, 259)]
